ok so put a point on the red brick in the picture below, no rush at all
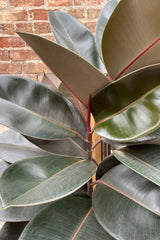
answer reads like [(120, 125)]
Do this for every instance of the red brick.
[(7, 29), (15, 15), (3, 3), (12, 68), (93, 13), (77, 13), (34, 67), (91, 26), (57, 3), (51, 38), (23, 55), (4, 56), (26, 3), (79, 2), (24, 27), (38, 14), (42, 27), (31, 76), (93, 2), (6, 42)]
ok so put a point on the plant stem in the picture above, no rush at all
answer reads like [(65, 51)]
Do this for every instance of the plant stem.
[(89, 144), (89, 115), (89, 133), (90, 187)]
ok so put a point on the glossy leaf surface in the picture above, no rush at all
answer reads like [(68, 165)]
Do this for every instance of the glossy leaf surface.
[(67, 147), (75, 36), (34, 110), (55, 84), (19, 214), (152, 138), (129, 108), (104, 16), (143, 159), (131, 18), (45, 179), (15, 147), (123, 203), (71, 218), (79, 76), (12, 231)]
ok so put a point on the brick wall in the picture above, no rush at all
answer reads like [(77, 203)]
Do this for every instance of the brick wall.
[(31, 16)]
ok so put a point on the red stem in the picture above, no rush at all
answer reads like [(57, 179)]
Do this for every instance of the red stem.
[(89, 116)]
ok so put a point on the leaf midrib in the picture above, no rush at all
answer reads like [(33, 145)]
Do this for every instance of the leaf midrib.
[(128, 106), (139, 159), (77, 51), (48, 179), (82, 223), (36, 114), (127, 196)]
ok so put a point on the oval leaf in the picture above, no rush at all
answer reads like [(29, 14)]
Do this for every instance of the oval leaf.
[(70, 218), (104, 16), (143, 159), (15, 147), (67, 147), (131, 38), (124, 198), (34, 110), (77, 74), (45, 179), (129, 108), (73, 35)]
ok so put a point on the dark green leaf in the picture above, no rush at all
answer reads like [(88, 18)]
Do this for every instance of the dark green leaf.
[(132, 28), (12, 231), (35, 110), (143, 159), (14, 147), (152, 138), (75, 36), (40, 180), (70, 218), (104, 16), (67, 147), (129, 108), (107, 164), (127, 205), (72, 70)]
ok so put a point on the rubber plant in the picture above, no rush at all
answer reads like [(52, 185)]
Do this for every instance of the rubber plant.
[(46, 185)]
